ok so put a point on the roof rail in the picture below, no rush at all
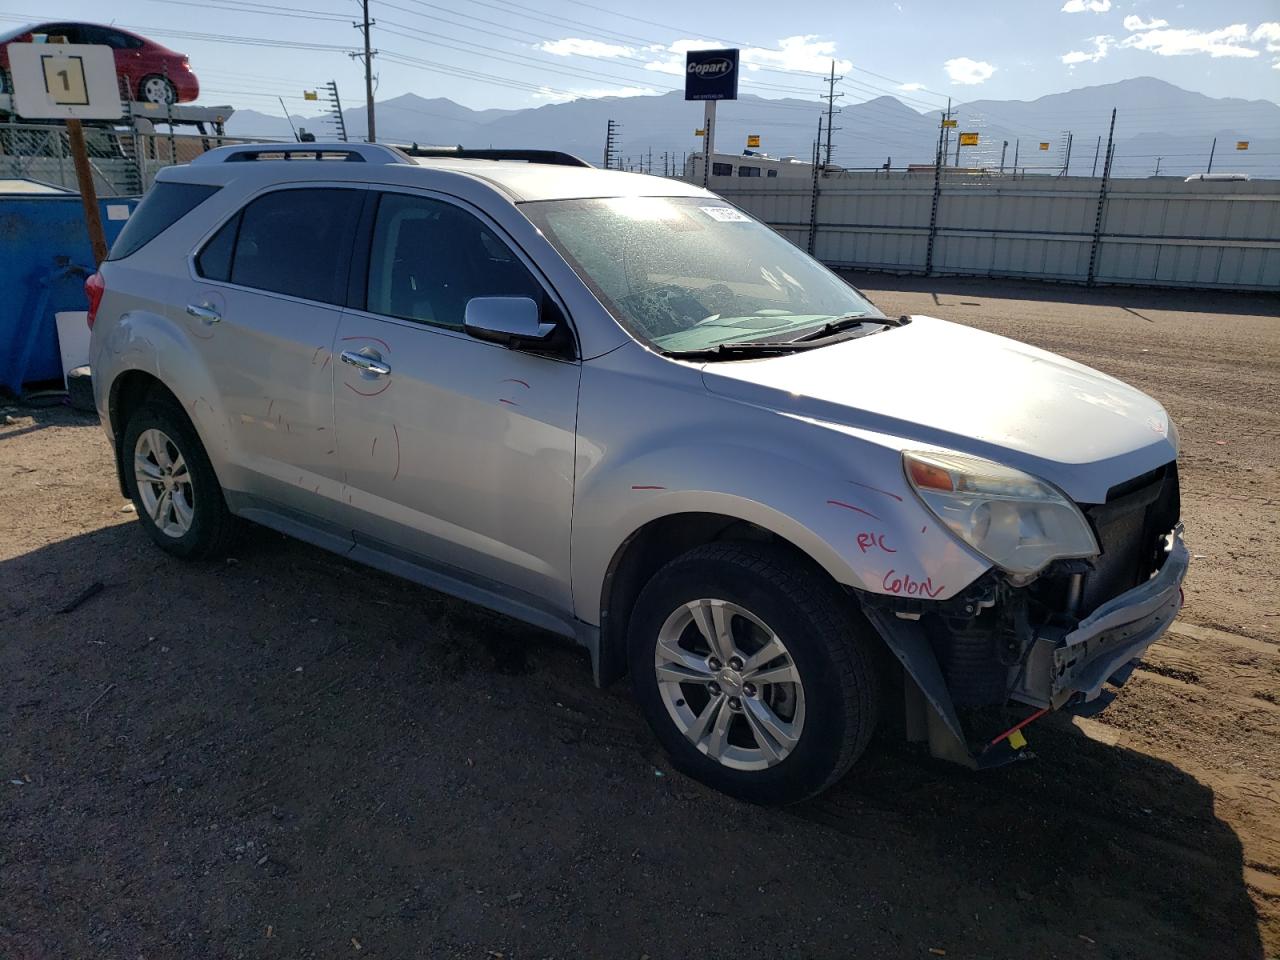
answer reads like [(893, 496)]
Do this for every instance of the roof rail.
[(556, 157), (349, 152)]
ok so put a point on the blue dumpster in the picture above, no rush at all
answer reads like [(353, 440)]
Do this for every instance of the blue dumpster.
[(44, 259)]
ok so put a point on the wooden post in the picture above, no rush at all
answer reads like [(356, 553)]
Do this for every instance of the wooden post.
[(88, 193), (84, 179)]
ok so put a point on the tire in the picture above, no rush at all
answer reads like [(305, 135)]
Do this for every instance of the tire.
[(761, 591), (156, 432), (156, 89)]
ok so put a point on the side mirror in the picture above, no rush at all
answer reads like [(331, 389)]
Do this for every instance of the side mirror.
[(515, 322)]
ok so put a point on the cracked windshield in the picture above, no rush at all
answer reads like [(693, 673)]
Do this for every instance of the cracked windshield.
[(691, 273)]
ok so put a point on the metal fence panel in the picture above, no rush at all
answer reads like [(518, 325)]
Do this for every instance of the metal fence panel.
[(1158, 231)]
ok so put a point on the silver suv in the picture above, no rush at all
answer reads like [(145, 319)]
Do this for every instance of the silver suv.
[(620, 409)]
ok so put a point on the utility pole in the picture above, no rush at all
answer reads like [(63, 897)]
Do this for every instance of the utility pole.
[(1212, 150), (946, 134), (1157, 173), (611, 144), (1066, 166), (649, 165), (1003, 148), (830, 97), (1016, 145), (367, 57)]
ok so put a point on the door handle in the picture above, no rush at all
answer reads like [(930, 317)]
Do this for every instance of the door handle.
[(368, 364), (203, 311)]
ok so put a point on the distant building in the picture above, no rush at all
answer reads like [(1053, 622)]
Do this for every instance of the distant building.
[(747, 164)]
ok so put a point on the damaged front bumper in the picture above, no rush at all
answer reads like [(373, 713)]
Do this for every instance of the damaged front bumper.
[(1071, 667), (1061, 668)]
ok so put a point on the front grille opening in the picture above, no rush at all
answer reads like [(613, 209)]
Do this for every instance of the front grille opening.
[(1130, 528)]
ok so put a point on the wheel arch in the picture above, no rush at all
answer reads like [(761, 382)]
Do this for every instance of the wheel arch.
[(129, 391), (651, 546)]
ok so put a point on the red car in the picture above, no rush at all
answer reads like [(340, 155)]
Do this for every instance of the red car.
[(155, 74)]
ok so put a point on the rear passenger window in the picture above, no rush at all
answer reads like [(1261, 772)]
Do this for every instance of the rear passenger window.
[(429, 258), (163, 206), (296, 242), (214, 261)]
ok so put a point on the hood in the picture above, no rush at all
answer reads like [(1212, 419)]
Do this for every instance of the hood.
[(945, 385)]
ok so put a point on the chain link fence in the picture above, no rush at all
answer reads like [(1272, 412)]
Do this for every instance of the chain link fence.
[(124, 162)]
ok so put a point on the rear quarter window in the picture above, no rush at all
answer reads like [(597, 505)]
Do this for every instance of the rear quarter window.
[(161, 208)]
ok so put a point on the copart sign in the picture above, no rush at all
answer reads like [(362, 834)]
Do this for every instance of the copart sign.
[(711, 75)]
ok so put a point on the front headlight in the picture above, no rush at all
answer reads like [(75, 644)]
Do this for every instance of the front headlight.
[(1016, 521)]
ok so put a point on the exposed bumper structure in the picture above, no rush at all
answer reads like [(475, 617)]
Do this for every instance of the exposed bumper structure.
[(1108, 640), (1061, 669)]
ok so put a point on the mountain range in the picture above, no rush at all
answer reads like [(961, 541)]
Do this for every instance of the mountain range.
[(1158, 126)]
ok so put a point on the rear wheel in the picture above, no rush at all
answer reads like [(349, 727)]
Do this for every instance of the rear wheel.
[(752, 673), (172, 484), (157, 89)]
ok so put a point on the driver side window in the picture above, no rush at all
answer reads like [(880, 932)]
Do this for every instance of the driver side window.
[(428, 258)]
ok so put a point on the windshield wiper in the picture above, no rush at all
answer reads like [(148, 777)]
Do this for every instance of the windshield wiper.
[(845, 323), (741, 350)]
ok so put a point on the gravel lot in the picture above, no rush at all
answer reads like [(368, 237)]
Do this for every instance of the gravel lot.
[(286, 755)]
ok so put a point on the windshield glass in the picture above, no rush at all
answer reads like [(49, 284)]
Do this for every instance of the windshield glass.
[(690, 273)]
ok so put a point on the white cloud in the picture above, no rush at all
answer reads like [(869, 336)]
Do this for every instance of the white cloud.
[(1132, 22), (801, 53), (1176, 43), (911, 87), (1091, 6), (574, 46), (969, 72), (1101, 44), (564, 96), (1269, 32)]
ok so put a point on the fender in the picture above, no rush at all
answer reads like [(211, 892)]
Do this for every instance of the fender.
[(141, 340), (866, 533)]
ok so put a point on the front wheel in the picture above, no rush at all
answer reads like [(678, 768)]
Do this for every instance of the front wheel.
[(752, 672)]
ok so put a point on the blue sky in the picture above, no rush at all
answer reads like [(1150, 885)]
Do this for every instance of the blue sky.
[(517, 53)]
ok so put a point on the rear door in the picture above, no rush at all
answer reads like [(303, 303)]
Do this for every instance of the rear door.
[(264, 306), (456, 452)]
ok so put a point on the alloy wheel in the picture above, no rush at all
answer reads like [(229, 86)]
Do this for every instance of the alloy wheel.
[(729, 684), (164, 483), (157, 90)]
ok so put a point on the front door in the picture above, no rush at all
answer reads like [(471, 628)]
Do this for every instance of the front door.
[(456, 452)]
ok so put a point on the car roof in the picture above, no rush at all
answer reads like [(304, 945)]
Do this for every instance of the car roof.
[(545, 181), (517, 181)]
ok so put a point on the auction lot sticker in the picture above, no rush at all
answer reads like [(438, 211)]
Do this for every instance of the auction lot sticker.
[(725, 214)]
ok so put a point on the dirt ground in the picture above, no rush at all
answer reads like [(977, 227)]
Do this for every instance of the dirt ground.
[(287, 755)]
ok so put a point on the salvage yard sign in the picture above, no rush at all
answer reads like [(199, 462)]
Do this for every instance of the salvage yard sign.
[(61, 81), (968, 139), (69, 82), (710, 76)]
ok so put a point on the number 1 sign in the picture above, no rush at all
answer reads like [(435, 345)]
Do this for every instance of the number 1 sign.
[(64, 81)]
